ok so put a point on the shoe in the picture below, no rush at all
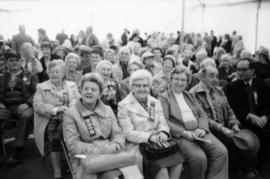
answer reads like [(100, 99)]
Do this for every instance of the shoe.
[(13, 158), (253, 175)]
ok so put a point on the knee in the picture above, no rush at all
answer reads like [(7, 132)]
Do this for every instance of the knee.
[(198, 159), (222, 153)]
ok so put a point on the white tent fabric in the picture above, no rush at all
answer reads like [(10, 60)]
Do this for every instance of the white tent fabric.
[(223, 16)]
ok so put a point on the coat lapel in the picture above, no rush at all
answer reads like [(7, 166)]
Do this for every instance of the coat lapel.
[(134, 106), (175, 110)]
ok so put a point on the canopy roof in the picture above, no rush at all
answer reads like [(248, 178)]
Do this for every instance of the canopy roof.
[(248, 17)]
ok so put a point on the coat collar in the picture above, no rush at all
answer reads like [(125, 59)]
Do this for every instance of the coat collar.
[(47, 85), (133, 105), (100, 109), (175, 105), (201, 87)]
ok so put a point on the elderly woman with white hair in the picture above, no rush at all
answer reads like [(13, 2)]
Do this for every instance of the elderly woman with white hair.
[(72, 61), (111, 93), (142, 121), (51, 99)]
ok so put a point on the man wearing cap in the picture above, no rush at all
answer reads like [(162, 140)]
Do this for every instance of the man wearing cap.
[(48, 56), (223, 122), (249, 98), (16, 101)]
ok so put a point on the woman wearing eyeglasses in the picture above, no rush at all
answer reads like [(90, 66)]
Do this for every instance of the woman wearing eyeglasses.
[(142, 121), (204, 154)]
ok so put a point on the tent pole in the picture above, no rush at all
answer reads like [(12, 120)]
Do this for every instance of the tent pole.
[(183, 24), (257, 24), (203, 10)]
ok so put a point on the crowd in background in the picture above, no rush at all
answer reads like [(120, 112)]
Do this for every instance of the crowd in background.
[(210, 64)]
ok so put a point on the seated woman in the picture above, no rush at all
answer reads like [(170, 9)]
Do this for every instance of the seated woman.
[(133, 65), (51, 99), (205, 155), (90, 128), (161, 80), (142, 121), (73, 61), (111, 93)]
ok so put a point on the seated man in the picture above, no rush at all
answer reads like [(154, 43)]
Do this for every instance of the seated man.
[(249, 98), (17, 89), (222, 121)]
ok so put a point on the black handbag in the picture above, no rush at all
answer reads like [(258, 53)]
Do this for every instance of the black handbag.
[(153, 151)]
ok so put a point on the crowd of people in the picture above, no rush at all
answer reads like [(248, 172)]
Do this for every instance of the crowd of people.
[(209, 94)]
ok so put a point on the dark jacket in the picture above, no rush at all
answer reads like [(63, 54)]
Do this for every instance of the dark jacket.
[(22, 92), (239, 100), (173, 113)]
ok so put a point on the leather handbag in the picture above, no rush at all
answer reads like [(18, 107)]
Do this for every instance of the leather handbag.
[(153, 151)]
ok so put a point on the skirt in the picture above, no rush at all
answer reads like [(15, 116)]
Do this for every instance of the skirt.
[(152, 167), (52, 138)]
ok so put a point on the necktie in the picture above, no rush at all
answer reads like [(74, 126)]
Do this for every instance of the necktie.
[(249, 93), (214, 104)]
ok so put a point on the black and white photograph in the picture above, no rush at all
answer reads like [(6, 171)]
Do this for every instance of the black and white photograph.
[(134, 89)]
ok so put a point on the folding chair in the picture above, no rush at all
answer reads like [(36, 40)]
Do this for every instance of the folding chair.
[(63, 145), (5, 135)]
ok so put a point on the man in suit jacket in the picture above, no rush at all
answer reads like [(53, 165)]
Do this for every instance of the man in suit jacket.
[(250, 99)]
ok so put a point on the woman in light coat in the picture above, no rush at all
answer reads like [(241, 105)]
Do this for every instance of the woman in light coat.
[(142, 121), (51, 99), (90, 129)]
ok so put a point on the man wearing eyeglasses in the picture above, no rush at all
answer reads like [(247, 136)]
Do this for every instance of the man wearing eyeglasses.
[(249, 98)]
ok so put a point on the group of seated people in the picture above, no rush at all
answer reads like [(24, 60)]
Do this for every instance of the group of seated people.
[(110, 103)]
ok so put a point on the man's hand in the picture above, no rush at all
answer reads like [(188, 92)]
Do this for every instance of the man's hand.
[(263, 121), (189, 135), (200, 132), (256, 120), (2, 106), (235, 128), (226, 131), (21, 108)]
